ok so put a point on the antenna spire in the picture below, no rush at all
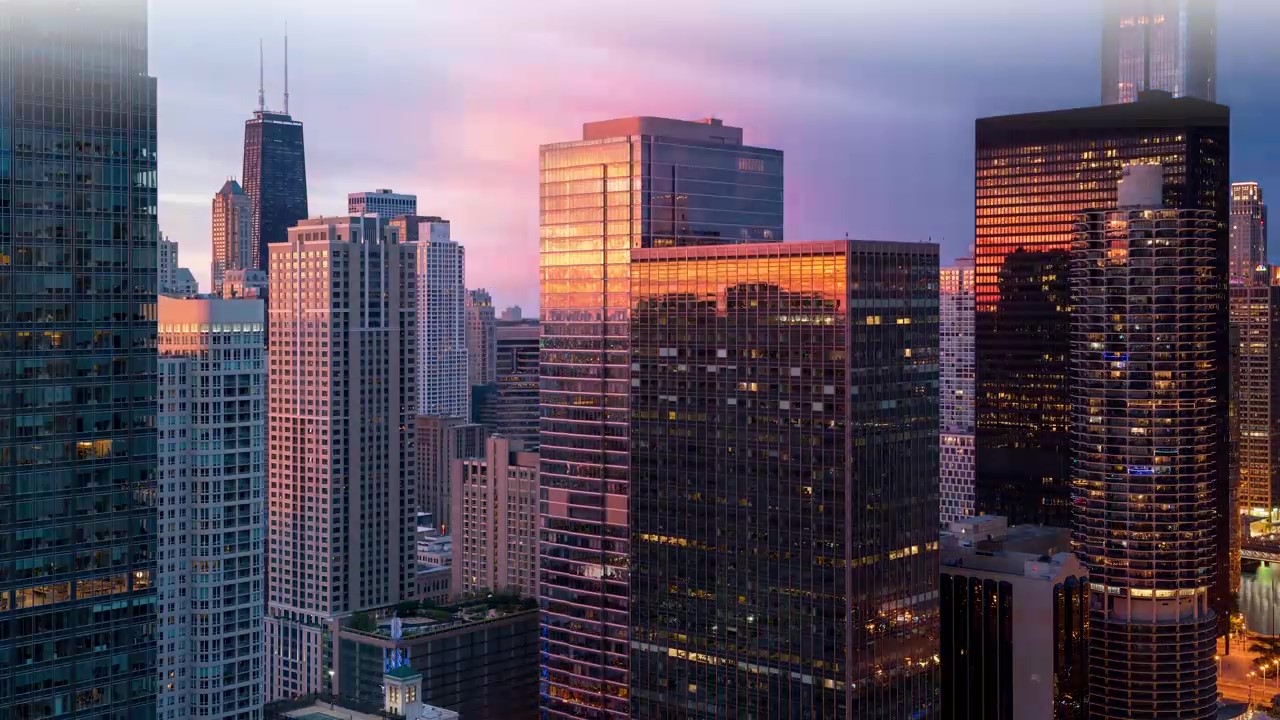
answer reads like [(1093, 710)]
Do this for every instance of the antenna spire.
[(286, 68), (262, 98)]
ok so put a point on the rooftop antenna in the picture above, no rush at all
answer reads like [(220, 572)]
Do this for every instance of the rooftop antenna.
[(286, 68), (262, 98)]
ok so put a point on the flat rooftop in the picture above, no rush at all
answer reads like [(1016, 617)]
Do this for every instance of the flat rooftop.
[(705, 130)]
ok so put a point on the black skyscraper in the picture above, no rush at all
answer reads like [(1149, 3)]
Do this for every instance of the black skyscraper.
[(275, 178), (77, 361)]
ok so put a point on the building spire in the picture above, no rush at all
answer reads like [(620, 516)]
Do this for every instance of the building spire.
[(262, 98), (286, 68)]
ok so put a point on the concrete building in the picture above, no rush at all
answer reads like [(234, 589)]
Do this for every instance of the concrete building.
[(495, 503), (1169, 45), (957, 390), (481, 349), (1248, 231), (1014, 606), (1149, 427), (212, 508), (759, 522), (343, 352), (382, 202), (478, 658), (185, 284), (168, 264), (512, 314), (440, 441), (586, 365), (232, 234), (245, 284)]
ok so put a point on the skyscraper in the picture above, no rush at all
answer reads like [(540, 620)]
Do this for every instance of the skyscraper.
[(343, 354), (495, 506), (628, 183), (232, 233), (78, 522), (955, 370), (1169, 45), (213, 499), (1255, 317), (275, 173), (383, 203), (1149, 414), (512, 406), (784, 507), (1248, 231), (481, 343), (167, 271), (1033, 172)]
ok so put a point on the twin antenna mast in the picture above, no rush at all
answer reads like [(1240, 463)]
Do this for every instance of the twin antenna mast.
[(262, 96)]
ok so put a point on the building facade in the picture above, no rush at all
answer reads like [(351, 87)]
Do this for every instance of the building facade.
[(481, 343), (343, 374), (1169, 45), (956, 393), (495, 503), (167, 271), (1033, 173), (628, 183), (212, 424), (1014, 617), (1255, 320), (784, 465), (511, 406), (439, 442), (275, 179), (245, 284), (78, 368), (232, 234), (1248, 231), (1149, 412), (382, 202)]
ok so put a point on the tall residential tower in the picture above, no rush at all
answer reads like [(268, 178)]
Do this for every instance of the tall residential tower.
[(955, 370), (78, 371), (1248, 232), (232, 234), (628, 183)]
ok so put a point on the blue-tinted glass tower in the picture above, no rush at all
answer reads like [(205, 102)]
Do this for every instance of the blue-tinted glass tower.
[(275, 178), (78, 361)]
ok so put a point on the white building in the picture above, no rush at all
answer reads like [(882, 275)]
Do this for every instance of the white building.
[(495, 510), (382, 202), (957, 390), (343, 386), (443, 390), (481, 340), (212, 512)]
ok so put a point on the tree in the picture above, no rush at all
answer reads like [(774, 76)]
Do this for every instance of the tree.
[(363, 623), (408, 608)]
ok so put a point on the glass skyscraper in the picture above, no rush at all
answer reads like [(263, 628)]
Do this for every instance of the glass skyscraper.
[(275, 179), (1169, 45), (1034, 172), (784, 481), (78, 363), (628, 183)]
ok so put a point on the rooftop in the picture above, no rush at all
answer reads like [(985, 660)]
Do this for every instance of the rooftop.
[(421, 620), (1036, 551), (704, 130)]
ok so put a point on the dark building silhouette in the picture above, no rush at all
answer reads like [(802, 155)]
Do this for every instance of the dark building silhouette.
[(275, 178), (1033, 172), (78, 362), (784, 497)]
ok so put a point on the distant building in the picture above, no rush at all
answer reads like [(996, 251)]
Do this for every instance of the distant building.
[(957, 390), (382, 202), (760, 523), (212, 508), (232, 234), (185, 284), (343, 351), (509, 406), (1014, 609), (478, 658), (438, 442), (1248, 231), (512, 314), (481, 326), (1255, 375), (275, 177), (1169, 45), (1150, 432), (495, 511), (245, 284), (168, 264)]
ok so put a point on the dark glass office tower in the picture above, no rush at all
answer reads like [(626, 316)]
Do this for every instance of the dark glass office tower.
[(629, 183), (1169, 45), (275, 178), (77, 361), (1033, 173), (784, 481)]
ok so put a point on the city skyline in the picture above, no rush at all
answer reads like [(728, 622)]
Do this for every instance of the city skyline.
[(818, 86)]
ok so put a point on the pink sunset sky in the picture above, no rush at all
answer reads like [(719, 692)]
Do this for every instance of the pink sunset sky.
[(873, 102)]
